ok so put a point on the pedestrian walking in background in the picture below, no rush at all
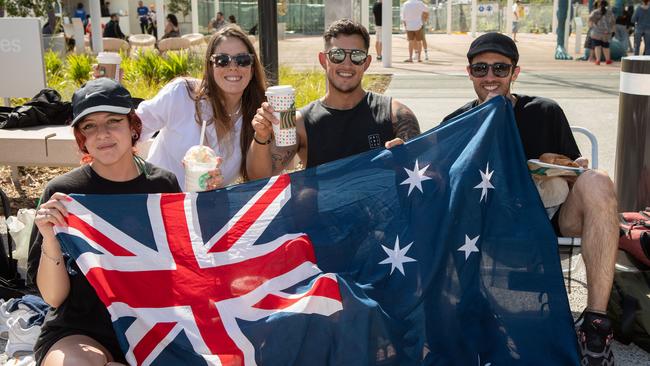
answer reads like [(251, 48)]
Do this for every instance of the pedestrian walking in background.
[(413, 16), (641, 20), (603, 22), (517, 11), (376, 12)]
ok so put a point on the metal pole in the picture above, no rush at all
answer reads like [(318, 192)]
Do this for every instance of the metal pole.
[(633, 141), (195, 16), (448, 16), (387, 32), (365, 14), (96, 26), (509, 18), (474, 17), (268, 20), (160, 18), (556, 5)]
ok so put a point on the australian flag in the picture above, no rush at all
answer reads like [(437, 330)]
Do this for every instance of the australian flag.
[(437, 252)]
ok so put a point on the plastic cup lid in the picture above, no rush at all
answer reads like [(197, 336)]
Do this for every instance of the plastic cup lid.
[(280, 90), (109, 58)]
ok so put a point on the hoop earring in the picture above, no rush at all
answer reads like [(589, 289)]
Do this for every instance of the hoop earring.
[(135, 136)]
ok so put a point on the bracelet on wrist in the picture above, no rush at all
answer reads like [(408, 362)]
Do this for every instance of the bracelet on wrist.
[(56, 261), (261, 142)]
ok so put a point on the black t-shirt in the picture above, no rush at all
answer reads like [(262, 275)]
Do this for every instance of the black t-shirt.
[(376, 11), (542, 125), (335, 134), (82, 312)]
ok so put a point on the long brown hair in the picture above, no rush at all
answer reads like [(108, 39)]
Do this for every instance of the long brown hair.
[(251, 99)]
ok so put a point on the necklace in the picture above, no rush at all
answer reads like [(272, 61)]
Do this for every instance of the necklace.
[(235, 113)]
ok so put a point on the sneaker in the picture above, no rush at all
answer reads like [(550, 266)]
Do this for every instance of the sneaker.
[(378, 58), (608, 62), (597, 63), (409, 60), (22, 337), (6, 315), (594, 339), (426, 55)]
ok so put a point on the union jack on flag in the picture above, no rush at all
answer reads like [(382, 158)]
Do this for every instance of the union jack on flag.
[(437, 252)]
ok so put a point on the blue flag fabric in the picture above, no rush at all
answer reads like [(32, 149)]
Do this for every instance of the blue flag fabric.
[(437, 252)]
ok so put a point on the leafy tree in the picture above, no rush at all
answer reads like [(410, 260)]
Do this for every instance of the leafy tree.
[(24, 8), (178, 7)]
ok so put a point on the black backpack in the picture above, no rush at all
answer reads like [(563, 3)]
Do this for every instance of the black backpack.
[(629, 308)]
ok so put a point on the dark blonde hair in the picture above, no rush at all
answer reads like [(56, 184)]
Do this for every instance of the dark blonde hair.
[(251, 99)]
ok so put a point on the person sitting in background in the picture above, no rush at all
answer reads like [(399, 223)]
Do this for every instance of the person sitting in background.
[(171, 27), (232, 19), (217, 22), (112, 28)]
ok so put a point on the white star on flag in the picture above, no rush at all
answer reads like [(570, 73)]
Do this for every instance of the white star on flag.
[(397, 256), (485, 182), (469, 246), (416, 176)]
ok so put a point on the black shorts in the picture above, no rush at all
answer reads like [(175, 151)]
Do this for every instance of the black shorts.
[(589, 43), (555, 222), (49, 337), (598, 42)]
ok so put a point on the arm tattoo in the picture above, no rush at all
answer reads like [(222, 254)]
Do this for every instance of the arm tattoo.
[(281, 157), (406, 126)]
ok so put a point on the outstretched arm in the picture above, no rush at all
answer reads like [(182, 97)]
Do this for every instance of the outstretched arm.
[(405, 124), (264, 158)]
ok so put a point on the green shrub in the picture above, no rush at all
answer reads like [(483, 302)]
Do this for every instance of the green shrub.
[(175, 64), (148, 67), (79, 67), (53, 64)]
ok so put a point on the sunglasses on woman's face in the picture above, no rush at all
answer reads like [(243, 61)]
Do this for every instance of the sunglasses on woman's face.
[(224, 59), (499, 69), (337, 56)]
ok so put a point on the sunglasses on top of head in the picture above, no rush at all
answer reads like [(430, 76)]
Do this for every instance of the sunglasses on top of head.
[(337, 56), (499, 69), (224, 59)]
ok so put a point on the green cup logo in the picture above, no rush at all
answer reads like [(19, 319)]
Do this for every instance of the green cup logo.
[(203, 181)]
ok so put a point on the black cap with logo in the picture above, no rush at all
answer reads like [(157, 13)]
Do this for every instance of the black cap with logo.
[(494, 42), (100, 95)]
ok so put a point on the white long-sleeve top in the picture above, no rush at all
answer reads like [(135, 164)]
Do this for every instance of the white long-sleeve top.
[(172, 112)]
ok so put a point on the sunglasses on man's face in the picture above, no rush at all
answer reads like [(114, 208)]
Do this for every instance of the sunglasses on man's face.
[(499, 69), (337, 56), (224, 59)]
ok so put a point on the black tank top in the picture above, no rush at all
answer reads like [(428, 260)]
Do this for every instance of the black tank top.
[(335, 134)]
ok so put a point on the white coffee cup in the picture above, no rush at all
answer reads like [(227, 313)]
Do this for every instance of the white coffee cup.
[(282, 98), (108, 65), (199, 161)]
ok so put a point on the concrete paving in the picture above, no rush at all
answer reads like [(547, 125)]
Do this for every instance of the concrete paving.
[(432, 89)]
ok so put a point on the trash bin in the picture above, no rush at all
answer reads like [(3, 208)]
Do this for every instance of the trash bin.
[(633, 141)]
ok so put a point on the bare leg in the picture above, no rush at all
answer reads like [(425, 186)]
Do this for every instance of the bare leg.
[(607, 54), (590, 211), (78, 350), (598, 50)]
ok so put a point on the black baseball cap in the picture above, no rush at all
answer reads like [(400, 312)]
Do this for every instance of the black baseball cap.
[(100, 95), (494, 42)]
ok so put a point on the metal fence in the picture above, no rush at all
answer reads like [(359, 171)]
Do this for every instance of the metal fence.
[(308, 16)]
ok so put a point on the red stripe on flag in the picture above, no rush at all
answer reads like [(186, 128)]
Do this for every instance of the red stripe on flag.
[(246, 221), (323, 287), (99, 238), (150, 340)]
